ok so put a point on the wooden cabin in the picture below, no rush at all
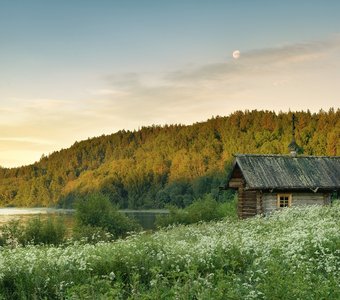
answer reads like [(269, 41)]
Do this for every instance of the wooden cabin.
[(269, 182)]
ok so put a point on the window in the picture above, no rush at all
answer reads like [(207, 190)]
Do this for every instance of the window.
[(284, 200)]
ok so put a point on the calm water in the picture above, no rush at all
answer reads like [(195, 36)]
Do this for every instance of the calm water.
[(145, 217)]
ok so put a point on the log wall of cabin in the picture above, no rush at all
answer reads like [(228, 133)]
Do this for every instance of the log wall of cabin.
[(259, 202), (308, 199), (269, 200), (247, 203)]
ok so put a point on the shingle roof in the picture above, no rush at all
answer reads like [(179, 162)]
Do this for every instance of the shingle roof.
[(287, 172)]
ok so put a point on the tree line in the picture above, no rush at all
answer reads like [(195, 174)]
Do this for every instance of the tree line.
[(160, 165)]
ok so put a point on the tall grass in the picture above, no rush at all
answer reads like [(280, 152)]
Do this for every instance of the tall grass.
[(50, 230), (293, 254)]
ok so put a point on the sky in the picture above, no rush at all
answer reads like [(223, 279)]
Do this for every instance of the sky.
[(73, 69)]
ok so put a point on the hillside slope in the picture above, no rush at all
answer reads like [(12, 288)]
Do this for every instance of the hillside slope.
[(158, 165)]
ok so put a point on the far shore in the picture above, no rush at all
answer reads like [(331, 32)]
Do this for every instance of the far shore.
[(51, 210), (33, 210)]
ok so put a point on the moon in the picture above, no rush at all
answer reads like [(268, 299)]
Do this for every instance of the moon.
[(236, 54)]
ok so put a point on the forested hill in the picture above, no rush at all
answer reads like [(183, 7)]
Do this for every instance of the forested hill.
[(158, 165)]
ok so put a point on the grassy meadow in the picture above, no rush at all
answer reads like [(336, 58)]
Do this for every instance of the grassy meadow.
[(293, 254)]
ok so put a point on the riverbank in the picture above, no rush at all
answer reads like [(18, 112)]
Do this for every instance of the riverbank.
[(292, 254)]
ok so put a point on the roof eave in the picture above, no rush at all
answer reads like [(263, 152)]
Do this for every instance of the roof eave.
[(295, 188)]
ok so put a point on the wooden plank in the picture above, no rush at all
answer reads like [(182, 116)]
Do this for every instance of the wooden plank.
[(259, 205), (245, 215), (247, 203), (250, 203), (249, 207), (235, 184)]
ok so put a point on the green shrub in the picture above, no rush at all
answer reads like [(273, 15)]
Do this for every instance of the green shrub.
[(205, 209), (97, 211), (96, 288), (51, 231), (12, 234)]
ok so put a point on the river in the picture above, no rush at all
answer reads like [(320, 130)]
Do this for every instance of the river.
[(144, 217)]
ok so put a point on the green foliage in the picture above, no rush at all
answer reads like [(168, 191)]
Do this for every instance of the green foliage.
[(95, 288), (156, 166), (292, 254), (50, 231), (12, 234), (91, 234), (96, 211), (205, 209)]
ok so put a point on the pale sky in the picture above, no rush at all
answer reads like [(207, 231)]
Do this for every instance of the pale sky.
[(73, 69)]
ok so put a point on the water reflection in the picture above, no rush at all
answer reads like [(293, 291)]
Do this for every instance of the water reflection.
[(144, 217)]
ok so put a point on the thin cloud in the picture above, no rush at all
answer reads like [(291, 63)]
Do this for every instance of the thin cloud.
[(28, 140), (272, 78), (260, 60), (108, 92)]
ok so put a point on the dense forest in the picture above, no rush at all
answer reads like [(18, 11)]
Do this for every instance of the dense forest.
[(160, 165)]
